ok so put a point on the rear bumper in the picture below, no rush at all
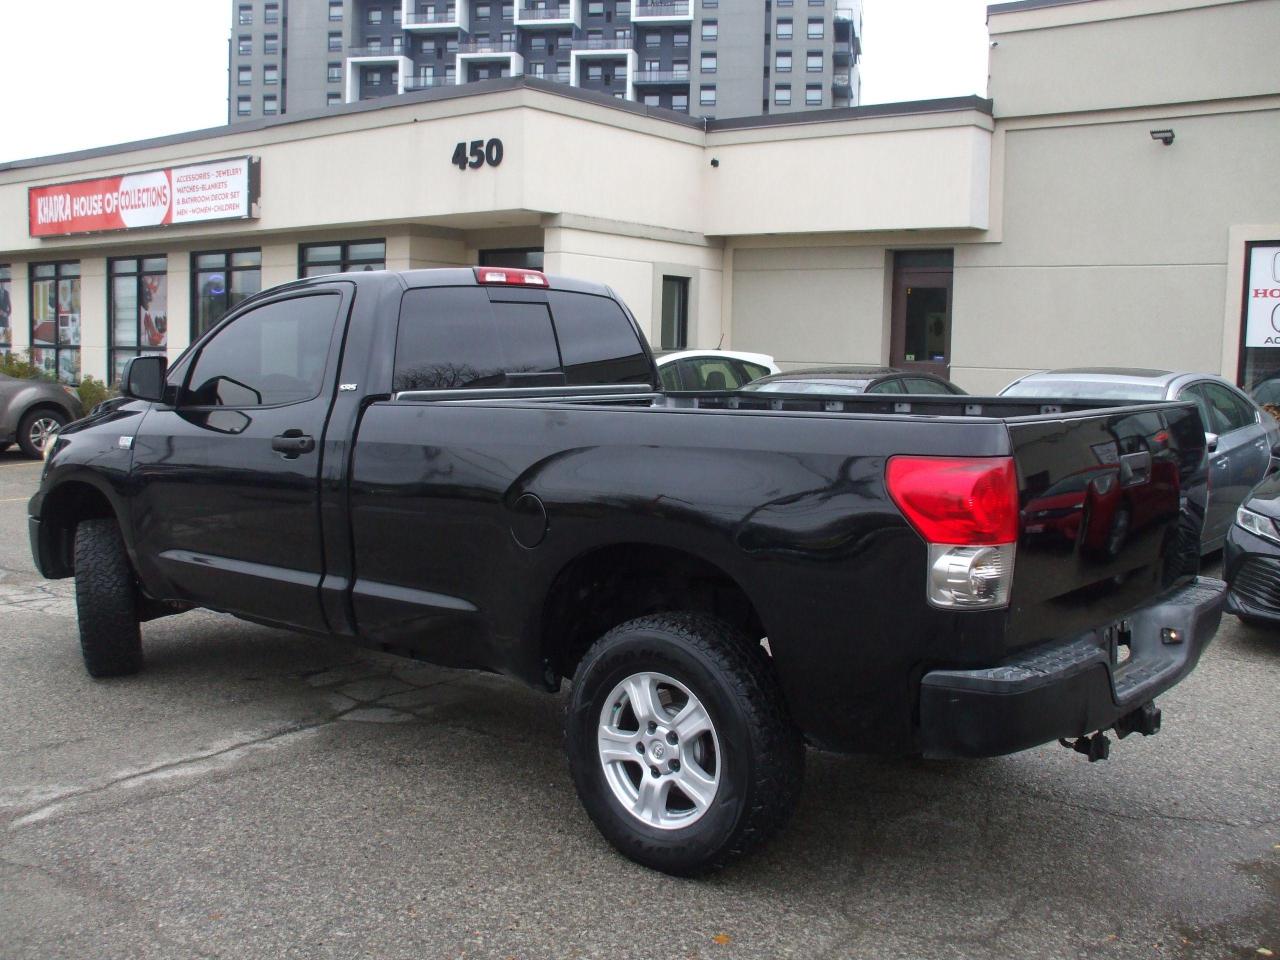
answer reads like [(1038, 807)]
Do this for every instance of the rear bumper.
[(1067, 689)]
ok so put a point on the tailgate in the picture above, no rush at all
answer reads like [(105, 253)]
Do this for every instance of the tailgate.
[(1112, 504)]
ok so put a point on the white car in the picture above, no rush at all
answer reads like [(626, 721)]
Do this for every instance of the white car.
[(711, 369)]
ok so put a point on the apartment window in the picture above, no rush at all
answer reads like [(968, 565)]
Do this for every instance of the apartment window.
[(508, 11), (373, 78), (138, 308), (595, 8), (623, 34), (653, 40), (244, 46), (244, 106), (782, 61), (707, 95), (271, 43), (396, 15), (335, 10), (315, 259), (55, 319), (451, 46), (595, 34), (813, 62), (652, 100), (784, 31), (708, 63), (271, 13), (785, 3), (221, 279), (538, 43), (374, 44), (397, 44), (6, 308), (710, 4), (246, 13), (375, 15), (680, 67), (537, 69), (595, 72), (652, 66), (335, 73), (483, 11), (675, 313), (817, 3), (623, 9), (680, 101), (333, 99), (450, 74), (335, 42), (271, 74), (680, 38), (813, 95), (782, 94), (244, 76), (817, 27), (710, 29), (270, 104)]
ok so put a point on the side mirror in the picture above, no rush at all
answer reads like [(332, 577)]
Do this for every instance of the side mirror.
[(1211, 442), (144, 378)]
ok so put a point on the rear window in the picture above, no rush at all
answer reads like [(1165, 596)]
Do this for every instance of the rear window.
[(1085, 389), (453, 338), (597, 340)]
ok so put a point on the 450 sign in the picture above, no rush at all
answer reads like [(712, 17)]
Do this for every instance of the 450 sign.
[(477, 153)]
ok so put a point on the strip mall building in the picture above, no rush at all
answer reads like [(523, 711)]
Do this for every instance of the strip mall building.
[(1116, 202)]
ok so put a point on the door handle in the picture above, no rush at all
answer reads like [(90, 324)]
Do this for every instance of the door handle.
[(293, 443)]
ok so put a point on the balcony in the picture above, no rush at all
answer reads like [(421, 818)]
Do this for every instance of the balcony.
[(653, 77), (844, 52), (662, 12), (488, 54), (427, 83), (434, 18), (536, 13), (357, 60), (375, 53), (618, 46), (842, 85), (488, 46)]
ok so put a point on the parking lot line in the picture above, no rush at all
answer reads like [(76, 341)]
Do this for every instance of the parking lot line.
[(14, 499)]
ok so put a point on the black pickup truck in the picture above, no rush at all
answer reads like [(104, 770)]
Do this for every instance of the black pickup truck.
[(476, 468)]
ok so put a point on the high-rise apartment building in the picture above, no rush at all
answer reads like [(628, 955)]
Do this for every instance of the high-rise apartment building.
[(712, 58)]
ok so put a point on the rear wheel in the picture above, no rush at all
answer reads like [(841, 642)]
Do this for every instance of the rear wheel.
[(37, 429), (680, 744), (106, 601)]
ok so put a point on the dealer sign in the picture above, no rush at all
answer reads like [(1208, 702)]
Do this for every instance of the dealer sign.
[(217, 190)]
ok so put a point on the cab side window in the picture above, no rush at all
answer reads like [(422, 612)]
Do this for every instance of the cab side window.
[(274, 354)]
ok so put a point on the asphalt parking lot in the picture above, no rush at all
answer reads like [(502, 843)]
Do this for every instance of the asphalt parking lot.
[(259, 794)]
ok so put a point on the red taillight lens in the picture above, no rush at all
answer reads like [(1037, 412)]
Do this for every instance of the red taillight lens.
[(957, 500), (511, 276)]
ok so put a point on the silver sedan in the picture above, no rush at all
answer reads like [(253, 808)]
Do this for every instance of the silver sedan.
[(1244, 440)]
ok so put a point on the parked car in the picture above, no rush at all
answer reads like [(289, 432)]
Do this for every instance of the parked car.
[(1251, 560), (711, 369), (477, 468), (1244, 440), (844, 380), (31, 411)]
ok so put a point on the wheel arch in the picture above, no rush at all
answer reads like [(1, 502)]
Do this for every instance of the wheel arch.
[(610, 584), (61, 511)]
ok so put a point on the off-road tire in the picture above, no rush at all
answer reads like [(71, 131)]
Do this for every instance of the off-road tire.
[(106, 601), (761, 750)]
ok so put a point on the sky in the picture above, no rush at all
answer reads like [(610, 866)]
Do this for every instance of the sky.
[(124, 70)]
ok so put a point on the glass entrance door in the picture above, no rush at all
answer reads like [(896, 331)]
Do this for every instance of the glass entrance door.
[(921, 332)]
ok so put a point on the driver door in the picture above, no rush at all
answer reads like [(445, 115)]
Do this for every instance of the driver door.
[(226, 503)]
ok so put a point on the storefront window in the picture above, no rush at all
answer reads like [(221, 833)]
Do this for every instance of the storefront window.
[(6, 309), (55, 319), (219, 280), (316, 259), (1260, 329), (138, 304)]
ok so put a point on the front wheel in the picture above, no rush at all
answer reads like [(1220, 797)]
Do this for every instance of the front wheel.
[(37, 430), (106, 601), (680, 744)]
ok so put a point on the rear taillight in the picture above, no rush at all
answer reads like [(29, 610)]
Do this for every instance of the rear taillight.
[(511, 276), (966, 510)]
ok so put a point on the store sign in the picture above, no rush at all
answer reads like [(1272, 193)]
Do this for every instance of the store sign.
[(218, 190), (1262, 298)]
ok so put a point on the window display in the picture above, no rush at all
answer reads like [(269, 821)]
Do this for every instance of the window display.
[(138, 304), (55, 319)]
